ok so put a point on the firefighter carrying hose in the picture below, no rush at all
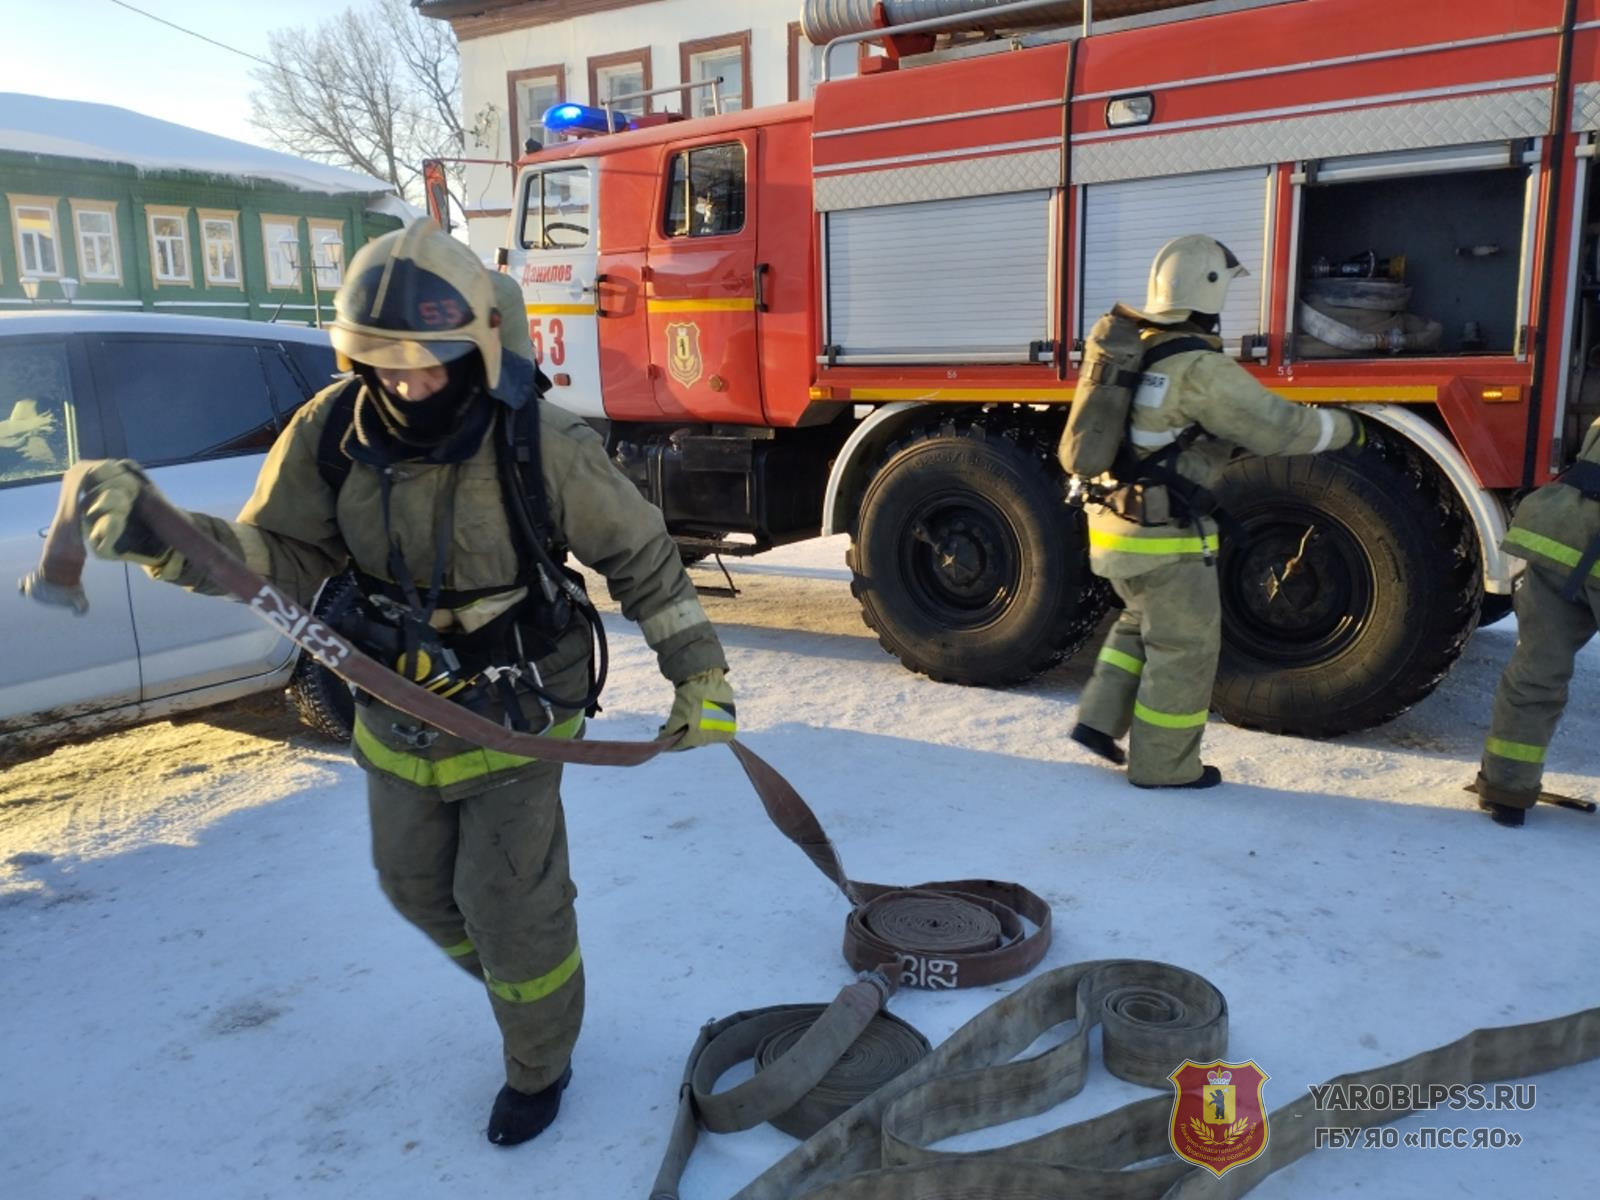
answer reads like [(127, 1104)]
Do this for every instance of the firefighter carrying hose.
[(1557, 530), (1153, 519), (453, 492)]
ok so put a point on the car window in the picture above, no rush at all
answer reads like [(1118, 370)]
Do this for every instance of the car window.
[(184, 399), (37, 421), (705, 192), (316, 363)]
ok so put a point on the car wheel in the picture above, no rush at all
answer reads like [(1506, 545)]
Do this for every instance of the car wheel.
[(323, 701)]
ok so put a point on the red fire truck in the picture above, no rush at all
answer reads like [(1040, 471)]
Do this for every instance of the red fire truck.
[(863, 314)]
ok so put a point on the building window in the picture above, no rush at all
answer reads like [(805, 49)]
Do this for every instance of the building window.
[(96, 226), (530, 94), (280, 239), (623, 74), (38, 243), (705, 192), (327, 252), (805, 63), (219, 233), (724, 58), (169, 245)]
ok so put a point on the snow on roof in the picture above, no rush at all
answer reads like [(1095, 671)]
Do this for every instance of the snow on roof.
[(105, 133)]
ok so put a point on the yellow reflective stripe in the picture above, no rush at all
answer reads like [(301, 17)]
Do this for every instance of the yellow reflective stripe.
[(1421, 394), (715, 720), (560, 310), (535, 989), (1152, 545), (1117, 658), (1562, 553), (1517, 751), (1168, 720), (458, 768), (461, 949), (703, 304)]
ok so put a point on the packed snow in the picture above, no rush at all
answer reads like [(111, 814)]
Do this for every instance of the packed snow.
[(106, 133), (206, 995)]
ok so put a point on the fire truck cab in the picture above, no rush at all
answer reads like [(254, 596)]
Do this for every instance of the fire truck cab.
[(864, 313)]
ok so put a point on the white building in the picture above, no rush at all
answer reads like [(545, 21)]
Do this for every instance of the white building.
[(520, 57)]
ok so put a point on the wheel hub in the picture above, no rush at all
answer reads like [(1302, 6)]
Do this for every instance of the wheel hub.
[(961, 561), (1298, 592)]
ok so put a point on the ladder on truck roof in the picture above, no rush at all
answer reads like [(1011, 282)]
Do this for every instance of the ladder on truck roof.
[(1024, 22)]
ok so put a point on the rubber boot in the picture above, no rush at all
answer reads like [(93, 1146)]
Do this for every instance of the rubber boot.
[(521, 1116), (1209, 777), (1505, 806), (1099, 743)]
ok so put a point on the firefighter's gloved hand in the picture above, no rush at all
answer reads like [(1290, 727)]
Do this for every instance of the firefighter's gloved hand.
[(702, 711), (1364, 437), (109, 527)]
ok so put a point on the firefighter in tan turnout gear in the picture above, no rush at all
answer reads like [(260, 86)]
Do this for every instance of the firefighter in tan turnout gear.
[(1557, 530), (1152, 534), (452, 491)]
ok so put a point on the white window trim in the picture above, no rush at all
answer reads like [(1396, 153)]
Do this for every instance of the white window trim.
[(231, 220), (329, 275), (181, 215), (268, 242), (697, 74), (46, 205), (108, 209)]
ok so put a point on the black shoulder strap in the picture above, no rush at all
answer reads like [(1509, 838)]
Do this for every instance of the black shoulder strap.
[(333, 464), (1180, 345), (1585, 476), (522, 474)]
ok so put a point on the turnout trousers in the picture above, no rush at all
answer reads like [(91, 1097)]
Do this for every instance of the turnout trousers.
[(1533, 689), (1155, 671), (484, 875)]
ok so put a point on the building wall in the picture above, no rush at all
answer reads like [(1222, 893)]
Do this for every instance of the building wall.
[(781, 66), (56, 184)]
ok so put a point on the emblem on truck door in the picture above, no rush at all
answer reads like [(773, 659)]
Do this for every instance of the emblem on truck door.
[(683, 352)]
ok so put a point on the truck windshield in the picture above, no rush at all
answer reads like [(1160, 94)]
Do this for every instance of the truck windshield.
[(555, 209)]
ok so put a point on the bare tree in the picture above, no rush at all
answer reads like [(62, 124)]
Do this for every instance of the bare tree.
[(375, 89)]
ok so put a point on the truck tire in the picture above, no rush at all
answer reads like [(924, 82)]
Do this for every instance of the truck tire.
[(967, 564), (1384, 597), (322, 700)]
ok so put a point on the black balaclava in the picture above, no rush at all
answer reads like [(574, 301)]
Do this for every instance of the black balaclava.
[(445, 427), (1206, 322)]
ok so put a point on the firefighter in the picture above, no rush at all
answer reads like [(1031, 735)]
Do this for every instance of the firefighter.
[(1155, 536), (1557, 601), (469, 843)]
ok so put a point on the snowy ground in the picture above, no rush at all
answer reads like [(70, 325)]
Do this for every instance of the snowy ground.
[(204, 994)]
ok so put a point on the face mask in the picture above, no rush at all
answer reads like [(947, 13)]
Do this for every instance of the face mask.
[(427, 422)]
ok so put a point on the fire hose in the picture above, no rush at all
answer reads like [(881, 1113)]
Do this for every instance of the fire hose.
[(962, 933)]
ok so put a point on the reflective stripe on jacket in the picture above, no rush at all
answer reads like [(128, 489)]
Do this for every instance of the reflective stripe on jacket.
[(1556, 524)]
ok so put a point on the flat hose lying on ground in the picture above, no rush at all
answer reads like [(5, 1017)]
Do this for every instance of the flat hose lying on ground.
[(909, 928)]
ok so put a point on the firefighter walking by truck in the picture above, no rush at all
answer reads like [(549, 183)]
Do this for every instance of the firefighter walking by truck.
[(1557, 602), (1185, 409), (453, 490)]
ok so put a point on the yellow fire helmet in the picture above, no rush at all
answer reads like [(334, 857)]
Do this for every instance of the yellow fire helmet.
[(1190, 274), (416, 298)]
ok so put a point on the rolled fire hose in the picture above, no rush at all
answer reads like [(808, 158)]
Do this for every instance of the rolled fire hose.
[(1336, 333), (1152, 1016), (964, 933)]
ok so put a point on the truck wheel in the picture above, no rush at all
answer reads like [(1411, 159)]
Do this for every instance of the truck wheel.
[(324, 701), (1355, 590), (967, 564)]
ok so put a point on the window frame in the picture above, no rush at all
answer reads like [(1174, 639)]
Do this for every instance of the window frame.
[(336, 226), (519, 136), (666, 234), (622, 58), (522, 206), (45, 204), (108, 209), (152, 213), (700, 47), (297, 284), (231, 219)]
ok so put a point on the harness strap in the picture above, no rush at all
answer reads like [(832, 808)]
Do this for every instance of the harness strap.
[(1585, 477)]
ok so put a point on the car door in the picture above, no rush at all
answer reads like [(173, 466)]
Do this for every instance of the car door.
[(196, 413), (56, 665)]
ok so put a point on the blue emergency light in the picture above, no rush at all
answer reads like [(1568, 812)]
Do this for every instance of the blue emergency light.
[(582, 118)]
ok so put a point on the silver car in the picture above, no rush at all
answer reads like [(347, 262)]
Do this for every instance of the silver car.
[(198, 401)]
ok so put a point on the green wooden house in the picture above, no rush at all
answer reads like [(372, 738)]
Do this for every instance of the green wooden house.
[(104, 208)]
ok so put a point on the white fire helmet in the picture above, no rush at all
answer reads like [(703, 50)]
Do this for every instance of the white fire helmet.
[(1190, 274)]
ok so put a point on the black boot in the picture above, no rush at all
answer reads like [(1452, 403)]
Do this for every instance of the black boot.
[(1209, 777), (1505, 806), (1098, 743), (520, 1116)]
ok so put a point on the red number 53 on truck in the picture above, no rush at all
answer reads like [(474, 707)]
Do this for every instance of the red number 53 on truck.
[(865, 313)]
